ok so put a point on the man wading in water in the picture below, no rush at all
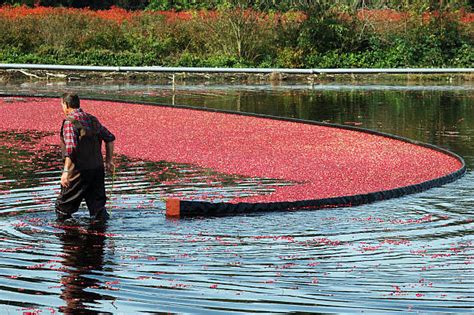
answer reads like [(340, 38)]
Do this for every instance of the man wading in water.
[(83, 173)]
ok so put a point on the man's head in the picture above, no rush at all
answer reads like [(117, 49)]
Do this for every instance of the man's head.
[(70, 101)]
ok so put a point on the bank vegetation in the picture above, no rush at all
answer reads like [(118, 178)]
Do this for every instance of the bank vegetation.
[(319, 34)]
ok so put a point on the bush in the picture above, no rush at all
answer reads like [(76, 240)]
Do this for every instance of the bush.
[(233, 34), (326, 30), (427, 42), (324, 37)]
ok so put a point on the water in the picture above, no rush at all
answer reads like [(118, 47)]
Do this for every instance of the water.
[(413, 254)]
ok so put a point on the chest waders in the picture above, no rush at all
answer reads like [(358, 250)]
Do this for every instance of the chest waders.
[(88, 153)]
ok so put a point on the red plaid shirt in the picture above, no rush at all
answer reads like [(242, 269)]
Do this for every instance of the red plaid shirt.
[(71, 135)]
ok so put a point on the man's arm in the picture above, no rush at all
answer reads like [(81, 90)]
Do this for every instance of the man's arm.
[(109, 139), (109, 156), (70, 146), (70, 140), (65, 177)]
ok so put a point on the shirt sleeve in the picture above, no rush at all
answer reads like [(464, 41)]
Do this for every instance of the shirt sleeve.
[(70, 140), (105, 134)]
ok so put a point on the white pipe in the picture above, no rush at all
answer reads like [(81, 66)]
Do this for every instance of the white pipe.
[(396, 70), (8, 66), (56, 67)]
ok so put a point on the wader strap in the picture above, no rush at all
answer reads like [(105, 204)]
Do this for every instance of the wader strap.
[(83, 132)]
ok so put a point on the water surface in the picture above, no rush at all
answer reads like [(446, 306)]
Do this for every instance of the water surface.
[(409, 254)]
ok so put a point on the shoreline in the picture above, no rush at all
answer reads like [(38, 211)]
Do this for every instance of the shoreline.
[(180, 77)]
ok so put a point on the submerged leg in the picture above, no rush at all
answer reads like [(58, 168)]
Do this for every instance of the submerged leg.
[(69, 199), (95, 195)]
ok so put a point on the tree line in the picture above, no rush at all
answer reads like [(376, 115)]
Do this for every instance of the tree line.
[(321, 34), (262, 5)]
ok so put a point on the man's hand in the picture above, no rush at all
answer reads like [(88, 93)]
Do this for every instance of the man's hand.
[(65, 180), (66, 176), (109, 157), (110, 167)]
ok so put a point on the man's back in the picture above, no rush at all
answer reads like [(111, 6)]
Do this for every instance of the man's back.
[(82, 135)]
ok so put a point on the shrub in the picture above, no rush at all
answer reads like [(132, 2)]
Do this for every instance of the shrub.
[(324, 36), (234, 34), (326, 29)]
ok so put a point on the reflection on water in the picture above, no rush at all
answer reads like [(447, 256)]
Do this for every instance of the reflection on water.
[(415, 253), (82, 255)]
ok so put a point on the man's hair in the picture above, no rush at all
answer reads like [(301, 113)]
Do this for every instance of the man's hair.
[(71, 100)]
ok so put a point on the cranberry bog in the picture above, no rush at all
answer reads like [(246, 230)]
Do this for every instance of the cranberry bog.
[(323, 165)]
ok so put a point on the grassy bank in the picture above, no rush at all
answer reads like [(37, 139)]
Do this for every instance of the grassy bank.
[(324, 37)]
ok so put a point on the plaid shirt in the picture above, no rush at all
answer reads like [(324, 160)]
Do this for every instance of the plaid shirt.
[(71, 135)]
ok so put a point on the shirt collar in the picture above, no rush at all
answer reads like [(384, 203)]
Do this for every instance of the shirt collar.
[(75, 111)]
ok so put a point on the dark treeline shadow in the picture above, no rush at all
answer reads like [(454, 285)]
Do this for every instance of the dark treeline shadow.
[(263, 5)]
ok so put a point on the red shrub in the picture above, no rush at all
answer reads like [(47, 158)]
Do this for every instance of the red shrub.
[(119, 15)]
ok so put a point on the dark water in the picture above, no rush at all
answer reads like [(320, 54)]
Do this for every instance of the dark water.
[(410, 254)]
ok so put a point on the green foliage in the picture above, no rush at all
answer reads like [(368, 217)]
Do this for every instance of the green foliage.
[(328, 38), (162, 5), (327, 30), (94, 57), (289, 58), (433, 43), (289, 5), (464, 56), (192, 60)]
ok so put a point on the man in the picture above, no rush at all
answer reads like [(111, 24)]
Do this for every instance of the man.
[(83, 173)]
